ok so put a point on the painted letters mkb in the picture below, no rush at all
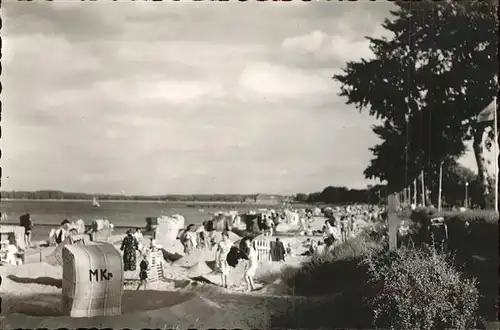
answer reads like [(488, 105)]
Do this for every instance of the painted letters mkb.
[(104, 275)]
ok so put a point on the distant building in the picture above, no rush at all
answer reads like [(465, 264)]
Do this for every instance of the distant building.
[(249, 200), (267, 199)]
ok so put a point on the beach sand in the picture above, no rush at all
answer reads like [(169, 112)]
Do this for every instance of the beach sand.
[(32, 294)]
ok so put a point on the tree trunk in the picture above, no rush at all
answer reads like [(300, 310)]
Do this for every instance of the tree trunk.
[(482, 169), (498, 164)]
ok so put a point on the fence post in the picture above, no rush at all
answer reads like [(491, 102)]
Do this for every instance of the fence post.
[(393, 219)]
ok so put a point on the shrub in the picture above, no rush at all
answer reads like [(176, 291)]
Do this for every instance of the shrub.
[(419, 289), (333, 272), (470, 232), (339, 274)]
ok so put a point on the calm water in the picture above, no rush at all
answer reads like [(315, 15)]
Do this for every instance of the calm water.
[(122, 214)]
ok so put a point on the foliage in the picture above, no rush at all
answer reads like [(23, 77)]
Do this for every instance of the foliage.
[(340, 277), (343, 195), (420, 289), (427, 84), (470, 232), (337, 271)]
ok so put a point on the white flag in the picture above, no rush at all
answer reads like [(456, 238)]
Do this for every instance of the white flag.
[(488, 113)]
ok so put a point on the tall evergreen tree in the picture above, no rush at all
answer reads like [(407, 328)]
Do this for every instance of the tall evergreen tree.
[(427, 84)]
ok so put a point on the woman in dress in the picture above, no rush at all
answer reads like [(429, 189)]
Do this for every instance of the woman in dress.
[(223, 249), (129, 248), (188, 239), (252, 265)]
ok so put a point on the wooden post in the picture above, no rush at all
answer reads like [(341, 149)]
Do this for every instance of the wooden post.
[(393, 220), (408, 195), (440, 186), (423, 187), (495, 130), (415, 192)]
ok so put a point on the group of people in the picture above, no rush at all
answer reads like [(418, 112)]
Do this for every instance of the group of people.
[(10, 251), (222, 254), (196, 237), (133, 243)]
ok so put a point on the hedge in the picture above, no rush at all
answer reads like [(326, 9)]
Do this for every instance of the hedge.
[(472, 232)]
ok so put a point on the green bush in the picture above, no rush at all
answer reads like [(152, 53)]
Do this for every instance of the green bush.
[(419, 289)]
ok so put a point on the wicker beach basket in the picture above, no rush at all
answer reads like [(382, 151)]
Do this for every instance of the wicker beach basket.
[(263, 248), (167, 230), (92, 280), (102, 236)]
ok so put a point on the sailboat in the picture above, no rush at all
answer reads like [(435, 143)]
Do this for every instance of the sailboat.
[(95, 202)]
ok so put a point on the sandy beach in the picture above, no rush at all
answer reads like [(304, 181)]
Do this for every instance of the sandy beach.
[(190, 286)]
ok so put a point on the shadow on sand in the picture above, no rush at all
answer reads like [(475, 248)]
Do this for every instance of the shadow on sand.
[(171, 257), (50, 281)]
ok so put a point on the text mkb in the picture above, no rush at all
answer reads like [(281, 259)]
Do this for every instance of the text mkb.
[(104, 275)]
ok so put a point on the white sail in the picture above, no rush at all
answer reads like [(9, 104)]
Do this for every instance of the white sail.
[(95, 202)]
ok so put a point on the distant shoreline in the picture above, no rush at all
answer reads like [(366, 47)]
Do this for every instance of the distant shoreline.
[(136, 201)]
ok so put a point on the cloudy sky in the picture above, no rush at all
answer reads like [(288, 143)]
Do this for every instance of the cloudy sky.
[(152, 98)]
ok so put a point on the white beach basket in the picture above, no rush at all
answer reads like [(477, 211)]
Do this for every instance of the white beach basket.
[(263, 249), (155, 270), (167, 230), (92, 280)]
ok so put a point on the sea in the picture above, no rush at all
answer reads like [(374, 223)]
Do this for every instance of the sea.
[(122, 214)]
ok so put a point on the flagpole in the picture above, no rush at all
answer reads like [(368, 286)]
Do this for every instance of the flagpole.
[(495, 128)]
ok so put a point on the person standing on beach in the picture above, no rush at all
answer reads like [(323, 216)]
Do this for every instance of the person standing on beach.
[(140, 238), (223, 249), (152, 244), (143, 273), (129, 248), (344, 224), (62, 232), (27, 222), (252, 265)]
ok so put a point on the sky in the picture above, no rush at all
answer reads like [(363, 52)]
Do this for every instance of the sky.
[(183, 97)]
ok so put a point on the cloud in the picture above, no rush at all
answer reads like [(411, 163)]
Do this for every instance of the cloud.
[(158, 89), (323, 47), (182, 97), (271, 80)]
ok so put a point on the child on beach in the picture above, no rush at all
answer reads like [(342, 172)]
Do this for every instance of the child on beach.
[(143, 273)]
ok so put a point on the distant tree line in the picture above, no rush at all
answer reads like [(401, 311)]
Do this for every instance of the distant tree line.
[(59, 195), (458, 182), (342, 195)]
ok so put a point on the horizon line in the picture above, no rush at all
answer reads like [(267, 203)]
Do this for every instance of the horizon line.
[(179, 194)]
